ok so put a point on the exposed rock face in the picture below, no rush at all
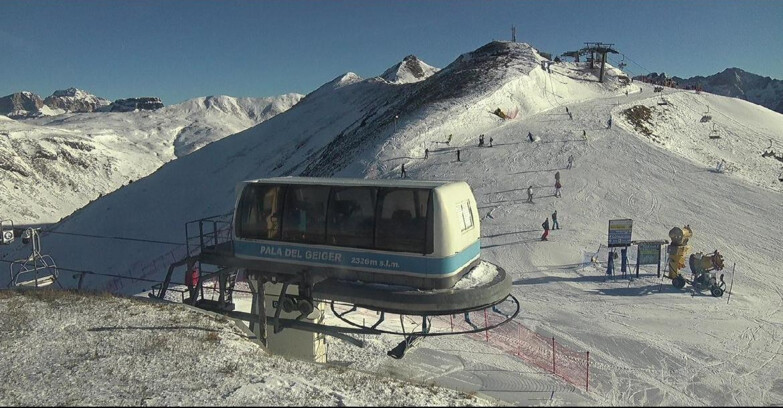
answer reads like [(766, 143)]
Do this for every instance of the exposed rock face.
[(132, 104), (20, 104), (75, 100), (732, 82), (411, 69)]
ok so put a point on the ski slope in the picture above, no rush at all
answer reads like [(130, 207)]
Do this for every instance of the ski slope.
[(649, 343)]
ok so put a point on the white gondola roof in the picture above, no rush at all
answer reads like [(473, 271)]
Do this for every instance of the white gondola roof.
[(354, 182)]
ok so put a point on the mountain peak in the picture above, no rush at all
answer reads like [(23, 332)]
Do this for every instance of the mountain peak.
[(75, 100), (409, 70)]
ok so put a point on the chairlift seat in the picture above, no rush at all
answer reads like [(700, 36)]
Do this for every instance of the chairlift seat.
[(40, 282)]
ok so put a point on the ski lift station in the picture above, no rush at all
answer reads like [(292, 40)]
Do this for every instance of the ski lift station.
[(403, 247)]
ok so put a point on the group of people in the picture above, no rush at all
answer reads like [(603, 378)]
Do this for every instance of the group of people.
[(545, 226), (481, 140)]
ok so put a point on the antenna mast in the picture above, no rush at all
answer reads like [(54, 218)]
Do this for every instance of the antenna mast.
[(513, 34)]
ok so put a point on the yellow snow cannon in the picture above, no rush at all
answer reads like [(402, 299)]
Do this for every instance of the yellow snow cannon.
[(677, 250), (701, 268)]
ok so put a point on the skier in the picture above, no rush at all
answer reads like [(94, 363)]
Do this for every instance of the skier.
[(719, 167), (570, 161), (557, 188), (570, 116), (426, 153), (481, 140), (545, 225), (490, 141), (567, 109), (530, 136), (530, 194), (555, 225), (609, 123), (457, 154), (448, 141), (402, 172)]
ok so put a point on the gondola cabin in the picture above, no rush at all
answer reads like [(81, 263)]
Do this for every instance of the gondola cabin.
[(422, 234)]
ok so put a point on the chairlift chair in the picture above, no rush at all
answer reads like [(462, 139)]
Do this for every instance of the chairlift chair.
[(768, 151), (42, 267), (706, 117), (714, 133)]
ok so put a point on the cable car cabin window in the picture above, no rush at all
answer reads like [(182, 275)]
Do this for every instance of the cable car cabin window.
[(259, 212), (351, 217), (402, 220), (465, 215), (304, 214)]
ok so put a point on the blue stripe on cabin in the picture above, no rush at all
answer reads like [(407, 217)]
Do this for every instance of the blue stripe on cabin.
[(372, 260)]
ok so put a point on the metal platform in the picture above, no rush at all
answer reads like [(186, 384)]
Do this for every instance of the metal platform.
[(407, 300)]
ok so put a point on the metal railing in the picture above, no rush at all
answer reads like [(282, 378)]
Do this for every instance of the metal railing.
[(212, 234)]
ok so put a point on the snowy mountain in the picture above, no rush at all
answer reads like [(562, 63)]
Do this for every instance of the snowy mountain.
[(649, 343), (733, 82), (20, 104), (54, 165), (75, 100), (409, 70)]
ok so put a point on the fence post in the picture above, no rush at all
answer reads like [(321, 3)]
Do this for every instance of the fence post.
[(451, 321), (587, 373), (553, 355), (486, 331)]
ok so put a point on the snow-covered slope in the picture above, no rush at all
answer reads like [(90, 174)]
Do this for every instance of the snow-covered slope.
[(52, 166), (649, 343), (61, 352)]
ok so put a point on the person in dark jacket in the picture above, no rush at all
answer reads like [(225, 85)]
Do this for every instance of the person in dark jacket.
[(555, 225), (530, 136), (545, 225)]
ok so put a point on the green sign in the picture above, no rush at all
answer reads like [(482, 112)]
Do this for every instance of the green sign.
[(649, 253)]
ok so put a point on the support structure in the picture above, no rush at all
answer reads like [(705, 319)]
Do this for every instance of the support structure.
[(288, 302), (602, 49)]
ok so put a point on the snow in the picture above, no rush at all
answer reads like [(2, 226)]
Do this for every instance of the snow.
[(649, 343), (58, 350), (481, 274)]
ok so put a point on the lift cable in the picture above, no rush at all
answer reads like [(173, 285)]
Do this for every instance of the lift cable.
[(114, 237)]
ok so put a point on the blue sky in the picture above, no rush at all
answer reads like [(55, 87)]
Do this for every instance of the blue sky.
[(178, 50)]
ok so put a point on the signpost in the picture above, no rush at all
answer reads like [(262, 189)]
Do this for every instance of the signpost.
[(648, 253), (620, 232)]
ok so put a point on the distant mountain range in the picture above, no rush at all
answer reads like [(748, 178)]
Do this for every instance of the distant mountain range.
[(732, 82), (72, 100)]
